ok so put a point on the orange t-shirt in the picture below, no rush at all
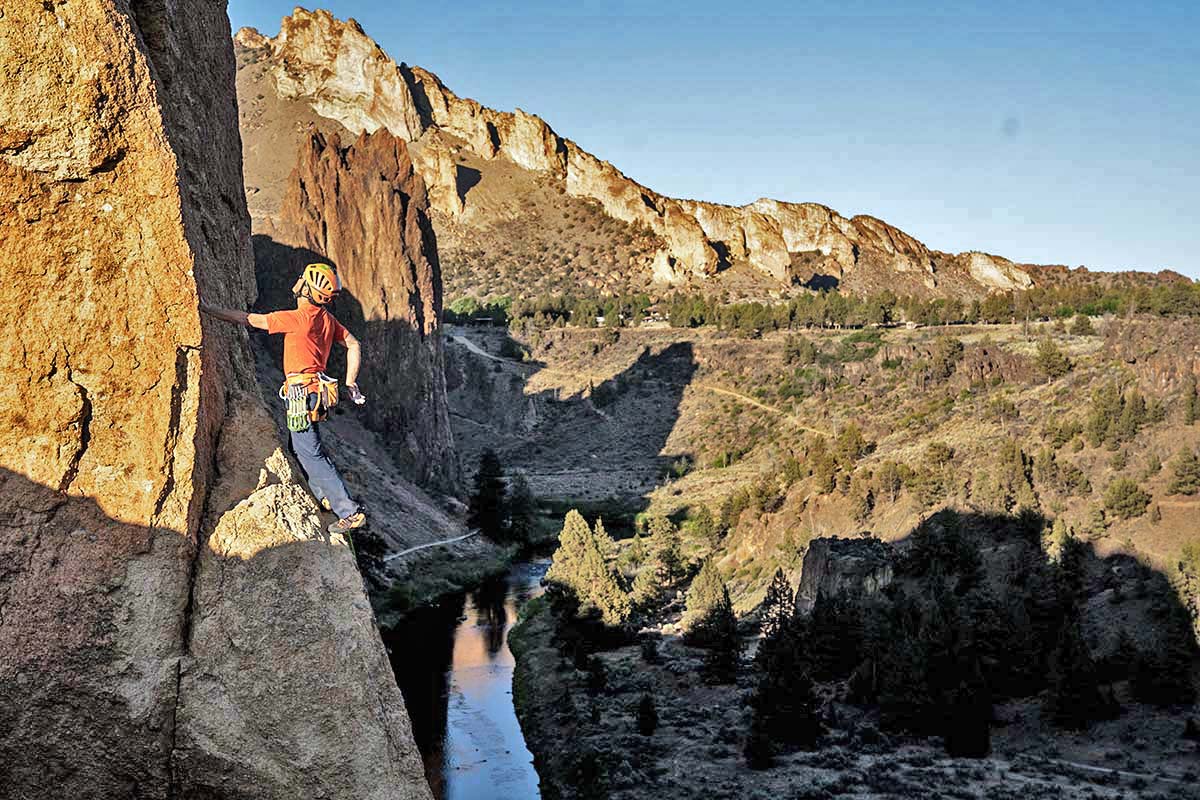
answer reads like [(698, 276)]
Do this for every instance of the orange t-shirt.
[(309, 333)]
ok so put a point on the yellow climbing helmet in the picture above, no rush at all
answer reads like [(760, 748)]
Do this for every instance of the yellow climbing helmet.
[(322, 282)]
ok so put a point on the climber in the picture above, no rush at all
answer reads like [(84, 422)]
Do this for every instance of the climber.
[(309, 332)]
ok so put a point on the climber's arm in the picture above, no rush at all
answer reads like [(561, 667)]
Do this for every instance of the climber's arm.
[(236, 317), (353, 359)]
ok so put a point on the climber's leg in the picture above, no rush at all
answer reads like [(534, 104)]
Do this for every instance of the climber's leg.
[(323, 476)]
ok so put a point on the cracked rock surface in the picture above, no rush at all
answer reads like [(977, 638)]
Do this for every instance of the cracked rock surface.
[(173, 623)]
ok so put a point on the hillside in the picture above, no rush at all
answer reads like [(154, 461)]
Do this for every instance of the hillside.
[(662, 420), (523, 211)]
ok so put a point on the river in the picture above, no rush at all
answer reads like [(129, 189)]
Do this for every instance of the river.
[(454, 666)]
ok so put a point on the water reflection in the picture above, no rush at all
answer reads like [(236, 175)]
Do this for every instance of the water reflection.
[(455, 670)]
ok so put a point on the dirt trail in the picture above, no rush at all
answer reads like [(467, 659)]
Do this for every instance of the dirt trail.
[(466, 342), (394, 556)]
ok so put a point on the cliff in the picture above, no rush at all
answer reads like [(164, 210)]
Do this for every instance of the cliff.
[(173, 621), (362, 207), (333, 70), (855, 567)]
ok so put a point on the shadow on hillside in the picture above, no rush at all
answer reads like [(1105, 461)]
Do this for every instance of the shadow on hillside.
[(600, 449), (984, 581)]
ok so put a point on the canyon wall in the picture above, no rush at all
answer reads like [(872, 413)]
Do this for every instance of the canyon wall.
[(342, 75), (173, 620)]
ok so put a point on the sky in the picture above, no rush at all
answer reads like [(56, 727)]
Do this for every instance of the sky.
[(1065, 135)]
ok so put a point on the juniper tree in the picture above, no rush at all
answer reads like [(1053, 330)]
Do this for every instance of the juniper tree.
[(1163, 676), (579, 568), (1191, 400), (1082, 326)]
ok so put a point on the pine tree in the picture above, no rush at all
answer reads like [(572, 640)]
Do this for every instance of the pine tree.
[(724, 643), (784, 702), (1082, 326), (1050, 360), (702, 597), (1185, 477), (486, 507), (834, 638), (522, 510), (647, 715), (1125, 499), (777, 611), (668, 553), (580, 569), (1191, 400), (1163, 676), (1074, 700), (968, 721), (758, 749)]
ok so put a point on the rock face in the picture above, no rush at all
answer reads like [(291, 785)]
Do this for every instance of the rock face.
[(362, 207), (857, 568), (342, 75), (172, 621)]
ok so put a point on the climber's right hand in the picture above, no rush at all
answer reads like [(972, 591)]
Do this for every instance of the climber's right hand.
[(358, 397)]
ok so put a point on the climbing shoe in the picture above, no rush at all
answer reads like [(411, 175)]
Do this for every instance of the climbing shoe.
[(352, 522)]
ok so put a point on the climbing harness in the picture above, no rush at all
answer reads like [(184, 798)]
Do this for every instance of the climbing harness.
[(309, 396)]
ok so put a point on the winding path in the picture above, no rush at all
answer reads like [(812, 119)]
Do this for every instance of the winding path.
[(745, 398), (394, 556)]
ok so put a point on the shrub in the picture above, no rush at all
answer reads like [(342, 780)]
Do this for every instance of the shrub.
[(1082, 326)]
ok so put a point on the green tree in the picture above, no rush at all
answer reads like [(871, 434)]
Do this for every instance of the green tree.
[(1191, 400), (1125, 499), (1075, 699), (702, 597), (668, 551), (724, 643), (522, 510), (1163, 675), (784, 703), (487, 504), (1082, 326), (1185, 473), (776, 613), (579, 569), (647, 715), (1050, 360)]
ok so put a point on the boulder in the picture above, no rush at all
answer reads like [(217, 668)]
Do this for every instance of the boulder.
[(854, 568), (141, 653)]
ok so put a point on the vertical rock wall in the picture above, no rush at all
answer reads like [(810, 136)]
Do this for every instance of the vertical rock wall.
[(362, 207), (130, 521)]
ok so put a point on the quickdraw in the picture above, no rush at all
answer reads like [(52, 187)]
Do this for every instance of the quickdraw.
[(309, 397)]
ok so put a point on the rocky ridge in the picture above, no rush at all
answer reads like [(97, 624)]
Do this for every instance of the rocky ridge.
[(342, 75), (173, 620)]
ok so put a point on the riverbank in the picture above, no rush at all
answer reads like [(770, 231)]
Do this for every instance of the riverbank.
[(453, 664)]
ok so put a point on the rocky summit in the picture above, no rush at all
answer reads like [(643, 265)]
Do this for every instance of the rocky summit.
[(328, 73), (174, 622)]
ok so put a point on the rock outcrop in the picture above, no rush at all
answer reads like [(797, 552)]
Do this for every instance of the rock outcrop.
[(173, 623), (857, 568), (341, 74), (362, 207)]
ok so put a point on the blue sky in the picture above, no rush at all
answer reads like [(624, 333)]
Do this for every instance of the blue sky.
[(1068, 135)]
